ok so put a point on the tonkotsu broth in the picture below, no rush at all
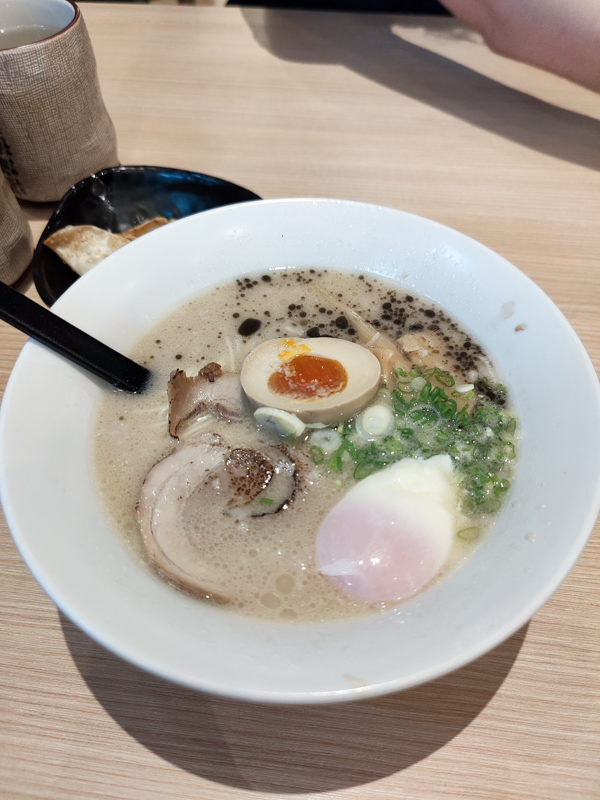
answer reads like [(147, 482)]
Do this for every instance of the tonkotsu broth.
[(266, 563)]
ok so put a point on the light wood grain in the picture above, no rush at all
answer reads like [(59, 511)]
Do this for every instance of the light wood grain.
[(413, 113)]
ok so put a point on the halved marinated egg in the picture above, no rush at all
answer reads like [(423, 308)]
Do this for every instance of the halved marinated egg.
[(320, 380), (390, 535)]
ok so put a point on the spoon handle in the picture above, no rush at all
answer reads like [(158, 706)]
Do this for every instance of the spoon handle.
[(71, 342)]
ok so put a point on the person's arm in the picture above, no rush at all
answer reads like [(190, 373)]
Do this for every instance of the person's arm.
[(561, 36)]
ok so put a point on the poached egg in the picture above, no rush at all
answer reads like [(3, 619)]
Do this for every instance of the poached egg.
[(390, 535)]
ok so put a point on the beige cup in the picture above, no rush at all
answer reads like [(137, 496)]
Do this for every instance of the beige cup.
[(54, 127), (16, 242)]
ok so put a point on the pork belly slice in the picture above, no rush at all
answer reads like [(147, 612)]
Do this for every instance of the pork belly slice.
[(211, 390), (262, 482), (166, 489), (197, 485)]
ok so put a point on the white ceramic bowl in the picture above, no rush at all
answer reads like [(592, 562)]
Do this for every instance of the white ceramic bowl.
[(62, 532)]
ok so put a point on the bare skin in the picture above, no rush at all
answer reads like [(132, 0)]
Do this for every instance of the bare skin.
[(560, 36)]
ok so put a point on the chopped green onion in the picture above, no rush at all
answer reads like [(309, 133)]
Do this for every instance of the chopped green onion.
[(316, 454), (348, 446), (327, 440), (448, 409), (509, 450), (443, 377), (425, 391), (266, 501), (335, 463), (418, 383), (426, 421), (399, 403), (363, 470), (462, 418), (469, 534)]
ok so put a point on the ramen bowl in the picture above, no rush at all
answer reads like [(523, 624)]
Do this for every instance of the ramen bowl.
[(67, 540)]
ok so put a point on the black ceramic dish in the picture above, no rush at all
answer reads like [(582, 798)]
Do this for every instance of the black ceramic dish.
[(119, 198)]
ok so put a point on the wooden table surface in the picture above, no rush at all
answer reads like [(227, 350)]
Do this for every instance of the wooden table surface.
[(409, 112)]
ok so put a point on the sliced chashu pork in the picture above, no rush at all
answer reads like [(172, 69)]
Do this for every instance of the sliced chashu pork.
[(260, 481), (166, 488), (211, 390), (207, 478)]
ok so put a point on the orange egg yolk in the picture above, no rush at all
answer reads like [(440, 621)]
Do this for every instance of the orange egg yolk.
[(305, 377)]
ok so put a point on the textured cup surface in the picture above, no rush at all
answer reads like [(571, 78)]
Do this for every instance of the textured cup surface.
[(54, 126), (16, 243)]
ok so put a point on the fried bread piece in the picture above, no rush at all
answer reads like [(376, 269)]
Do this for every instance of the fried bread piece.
[(84, 246), (144, 227)]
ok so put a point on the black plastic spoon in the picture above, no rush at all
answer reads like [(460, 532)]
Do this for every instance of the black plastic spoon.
[(71, 342)]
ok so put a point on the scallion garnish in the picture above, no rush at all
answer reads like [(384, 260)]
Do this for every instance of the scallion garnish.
[(429, 422), (469, 534), (316, 454)]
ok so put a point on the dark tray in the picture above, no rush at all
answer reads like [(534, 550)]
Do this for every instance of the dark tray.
[(119, 198)]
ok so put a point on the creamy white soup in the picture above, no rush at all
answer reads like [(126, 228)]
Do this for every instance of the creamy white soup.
[(430, 446)]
